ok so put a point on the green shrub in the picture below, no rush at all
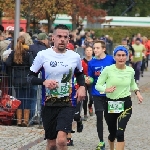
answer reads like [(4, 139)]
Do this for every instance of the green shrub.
[(118, 33)]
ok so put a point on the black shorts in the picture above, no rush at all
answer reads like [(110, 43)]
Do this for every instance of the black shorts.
[(57, 119), (99, 103)]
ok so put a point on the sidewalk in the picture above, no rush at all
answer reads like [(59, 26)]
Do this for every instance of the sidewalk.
[(137, 134)]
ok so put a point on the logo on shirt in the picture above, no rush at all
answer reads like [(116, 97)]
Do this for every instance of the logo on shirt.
[(53, 63), (98, 70)]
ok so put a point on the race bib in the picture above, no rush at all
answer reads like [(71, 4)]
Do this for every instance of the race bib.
[(62, 90), (115, 106), (137, 54)]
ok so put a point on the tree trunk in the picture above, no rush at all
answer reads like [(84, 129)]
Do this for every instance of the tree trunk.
[(49, 24), (1, 13), (28, 16), (74, 21), (28, 23)]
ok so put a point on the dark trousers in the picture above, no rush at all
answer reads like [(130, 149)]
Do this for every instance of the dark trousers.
[(143, 65), (99, 104), (137, 69)]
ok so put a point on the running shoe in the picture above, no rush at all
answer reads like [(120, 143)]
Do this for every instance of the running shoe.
[(137, 81), (100, 146), (141, 74), (70, 142), (72, 131)]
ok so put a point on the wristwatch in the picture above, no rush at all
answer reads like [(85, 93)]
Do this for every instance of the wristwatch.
[(136, 91)]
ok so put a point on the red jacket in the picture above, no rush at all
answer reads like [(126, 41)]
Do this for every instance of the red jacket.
[(85, 66)]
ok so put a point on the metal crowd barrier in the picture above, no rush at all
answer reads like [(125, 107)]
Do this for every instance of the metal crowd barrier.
[(80, 51), (13, 82)]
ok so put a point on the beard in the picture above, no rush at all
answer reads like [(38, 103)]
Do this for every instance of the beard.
[(61, 48)]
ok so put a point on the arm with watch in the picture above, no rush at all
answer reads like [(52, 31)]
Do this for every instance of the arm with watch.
[(136, 90)]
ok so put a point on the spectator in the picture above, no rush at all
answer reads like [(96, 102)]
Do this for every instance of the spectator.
[(51, 43), (40, 29), (9, 35), (3, 45), (42, 43), (1, 28), (21, 29), (7, 52), (21, 60), (28, 40), (78, 41), (88, 42), (1, 36)]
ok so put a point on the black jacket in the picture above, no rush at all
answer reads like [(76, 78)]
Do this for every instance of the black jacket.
[(19, 72), (36, 47)]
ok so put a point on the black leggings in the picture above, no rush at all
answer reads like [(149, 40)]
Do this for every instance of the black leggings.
[(88, 89), (99, 116), (77, 116), (99, 104), (117, 121)]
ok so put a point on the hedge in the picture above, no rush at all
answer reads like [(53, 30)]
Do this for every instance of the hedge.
[(119, 33)]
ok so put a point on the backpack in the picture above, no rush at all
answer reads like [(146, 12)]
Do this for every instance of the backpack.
[(8, 107)]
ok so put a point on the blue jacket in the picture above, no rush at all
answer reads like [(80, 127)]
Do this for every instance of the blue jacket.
[(36, 47)]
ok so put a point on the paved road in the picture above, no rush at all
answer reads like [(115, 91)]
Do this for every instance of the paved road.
[(137, 134)]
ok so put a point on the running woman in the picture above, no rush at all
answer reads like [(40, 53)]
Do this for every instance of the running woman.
[(95, 69), (88, 57), (119, 80), (59, 98)]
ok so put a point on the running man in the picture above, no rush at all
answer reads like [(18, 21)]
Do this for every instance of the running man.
[(95, 68), (60, 98), (119, 80), (137, 58)]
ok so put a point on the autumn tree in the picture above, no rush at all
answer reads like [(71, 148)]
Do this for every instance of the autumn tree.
[(28, 9), (6, 8), (88, 9), (49, 10)]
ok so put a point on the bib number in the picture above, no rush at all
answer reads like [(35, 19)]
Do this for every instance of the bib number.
[(63, 89), (115, 106), (137, 54)]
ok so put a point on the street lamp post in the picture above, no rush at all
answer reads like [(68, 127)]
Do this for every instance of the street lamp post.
[(17, 20)]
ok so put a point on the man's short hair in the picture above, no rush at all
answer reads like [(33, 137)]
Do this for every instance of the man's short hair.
[(61, 26), (103, 44)]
